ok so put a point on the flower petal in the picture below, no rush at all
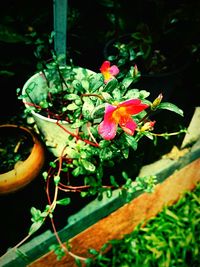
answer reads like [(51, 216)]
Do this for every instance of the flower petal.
[(114, 70), (105, 66), (107, 129), (128, 127), (107, 77), (109, 111), (133, 106)]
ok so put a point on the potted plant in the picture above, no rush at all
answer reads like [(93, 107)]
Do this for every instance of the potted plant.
[(97, 121), (90, 121), (103, 120), (59, 97), (22, 157)]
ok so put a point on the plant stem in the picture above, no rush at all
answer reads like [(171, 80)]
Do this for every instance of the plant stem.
[(96, 95), (77, 136), (17, 146), (167, 134)]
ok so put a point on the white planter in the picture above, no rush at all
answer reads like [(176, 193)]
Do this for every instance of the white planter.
[(54, 132)]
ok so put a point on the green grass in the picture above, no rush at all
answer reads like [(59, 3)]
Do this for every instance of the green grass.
[(171, 239)]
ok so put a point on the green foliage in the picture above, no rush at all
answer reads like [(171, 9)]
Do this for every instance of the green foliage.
[(64, 201), (171, 107), (90, 164), (169, 239), (38, 218), (129, 48), (143, 47), (59, 252), (145, 184)]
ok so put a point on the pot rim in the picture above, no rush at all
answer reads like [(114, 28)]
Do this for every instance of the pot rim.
[(34, 139), (34, 113), (14, 180)]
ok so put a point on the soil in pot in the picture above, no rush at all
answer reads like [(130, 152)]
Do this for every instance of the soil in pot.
[(14, 148), (22, 156)]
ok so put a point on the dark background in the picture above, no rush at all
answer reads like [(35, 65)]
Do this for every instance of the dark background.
[(91, 24)]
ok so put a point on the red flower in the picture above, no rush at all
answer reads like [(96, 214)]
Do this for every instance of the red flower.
[(109, 72), (120, 114)]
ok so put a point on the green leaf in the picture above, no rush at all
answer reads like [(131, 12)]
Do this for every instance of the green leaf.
[(36, 214), (116, 94), (132, 93), (44, 104), (111, 85), (106, 153), (72, 106), (71, 97), (96, 82), (113, 181), (84, 194), (77, 124), (56, 179), (171, 214), (85, 84), (35, 226), (64, 201), (72, 153), (131, 141), (98, 111), (171, 107), (58, 250), (52, 164), (144, 94), (78, 262), (127, 81), (77, 171), (88, 165), (132, 55), (89, 261), (148, 135), (125, 153), (77, 85), (45, 175), (106, 96), (93, 251), (88, 107)]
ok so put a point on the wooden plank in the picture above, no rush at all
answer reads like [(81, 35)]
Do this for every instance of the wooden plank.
[(123, 220)]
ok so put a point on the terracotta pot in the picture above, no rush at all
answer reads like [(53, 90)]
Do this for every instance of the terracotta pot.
[(24, 171)]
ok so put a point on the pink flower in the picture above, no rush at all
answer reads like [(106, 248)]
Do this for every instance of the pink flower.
[(120, 114), (108, 71)]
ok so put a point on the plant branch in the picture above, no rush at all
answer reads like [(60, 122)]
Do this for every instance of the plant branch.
[(77, 136), (96, 95)]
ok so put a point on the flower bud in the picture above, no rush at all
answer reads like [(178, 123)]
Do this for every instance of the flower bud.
[(148, 126), (156, 102), (135, 70)]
